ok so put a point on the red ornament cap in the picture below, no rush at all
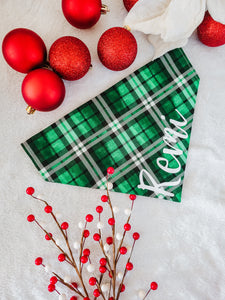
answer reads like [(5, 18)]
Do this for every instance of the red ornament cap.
[(123, 250), (89, 218), (110, 170), (154, 286), (30, 191), (84, 259), (92, 281), (109, 240), (104, 198), (38, 261), (129, 266), (86, 233), (30, 218), (136, 236), (99, 209), (51, 287), (53, 280), (132, 197), (111, 221), (96, 293), (48, 237), (102, 269), (61, 257), (86, 252), (127, 227), (96, 237), (48, 209), (103, 261), (64, 225)]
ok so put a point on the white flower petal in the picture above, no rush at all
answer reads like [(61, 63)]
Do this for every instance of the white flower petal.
[(216, 9), (162, 47)]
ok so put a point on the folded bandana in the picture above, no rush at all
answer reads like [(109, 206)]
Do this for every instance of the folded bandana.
[(141, 127)]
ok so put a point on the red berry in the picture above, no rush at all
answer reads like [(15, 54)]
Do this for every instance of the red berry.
[(136, 236), (127, 227), (48, 209), (102, 269), (38, 261), (122, 288), (48, 236), (109, 240), (133, 197), (110, 170), (92, 281), (64, 225), (74, 284), (154, 286), (111, 298), (86, 233), (89, 218), (104, 198), (96, 237), (123, 250), (129, 266), (110, 274), (73, 298), (86, 252), (86, 298), (61, 257), (30, 191), (99, 209), (111, 221), (30, 218), (51, 287), (103, 261), (53, 280), (84, 259), (96, 293)]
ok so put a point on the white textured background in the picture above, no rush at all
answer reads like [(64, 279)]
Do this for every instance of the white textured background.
[(182, 245)]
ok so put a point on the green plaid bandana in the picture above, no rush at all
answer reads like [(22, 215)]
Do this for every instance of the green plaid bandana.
[(141, 127)]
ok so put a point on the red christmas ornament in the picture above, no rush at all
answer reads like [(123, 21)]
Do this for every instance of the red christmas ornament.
[(129, 4), (30, 191), (70, 58), (154, 286), (117, 48), (43, 90), (210, 32), (23, 50), (83, 13)]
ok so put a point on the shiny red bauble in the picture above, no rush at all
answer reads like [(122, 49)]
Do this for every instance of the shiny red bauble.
[(210, 32), (43, 90), (117, 48), (129, 4), (23, 50), (70, 58), (83, 13)]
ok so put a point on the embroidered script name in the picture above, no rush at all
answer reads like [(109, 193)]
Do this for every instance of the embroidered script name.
[(170, 139)]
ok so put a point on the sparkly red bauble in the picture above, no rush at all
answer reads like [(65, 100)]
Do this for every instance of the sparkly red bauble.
[(129, 4), (117, 48), (70, 58), (43, 90), (83, 13), (210, 32), (23, 50)]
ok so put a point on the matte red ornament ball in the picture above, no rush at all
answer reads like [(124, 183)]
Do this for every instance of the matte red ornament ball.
[(61, 257), (102, 269), (103, 261), (123, 250), (86, 233), (38, 261), (48, 209), (110, 170), (23, 50), (64, 225), (129, 4), (154, 286), (132, 197), (127, 227), (48, 236), (96, 293), (111, 221), (30, 190), (86, 252), (136, 236), (89, 218), (129, 266), (53, 280), (73, 298), (30, 218), (117, 48), (96, 237), (82, 13), (210, 32), (43, 90), (92, 281), (70, 58), (109, 240), (99, 209), (51, 287)]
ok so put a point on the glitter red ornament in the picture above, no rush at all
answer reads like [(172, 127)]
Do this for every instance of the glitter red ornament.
[(38, 261), (30, 218), (83, 13), (23, 50), (117, 48), (30, 191), (70, 58), (210, 32), (154, 286), (129, 4), (43, 90)]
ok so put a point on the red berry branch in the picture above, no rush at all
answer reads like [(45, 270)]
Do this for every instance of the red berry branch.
[(107, 282)]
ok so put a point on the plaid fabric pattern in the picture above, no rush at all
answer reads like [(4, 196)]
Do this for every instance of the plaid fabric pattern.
[(123, 127)]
